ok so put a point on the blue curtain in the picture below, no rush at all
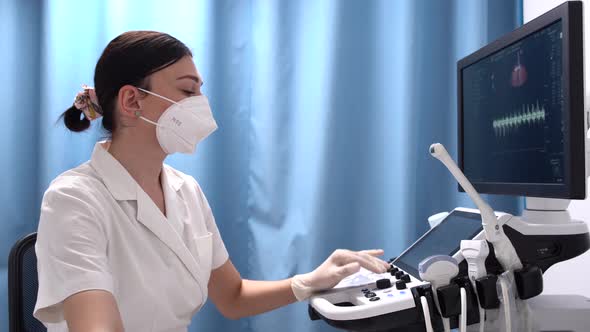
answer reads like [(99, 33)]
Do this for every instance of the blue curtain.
[(326, 110)]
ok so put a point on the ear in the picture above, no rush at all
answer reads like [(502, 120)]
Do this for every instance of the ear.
[(129, 101)]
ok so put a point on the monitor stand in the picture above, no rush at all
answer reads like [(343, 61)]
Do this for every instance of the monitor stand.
[(547, 211), (546, 234)]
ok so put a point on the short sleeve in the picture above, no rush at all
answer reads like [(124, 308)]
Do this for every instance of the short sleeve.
[(71, 249), (220, 254)]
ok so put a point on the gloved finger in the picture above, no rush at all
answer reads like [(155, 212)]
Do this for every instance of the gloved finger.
[(373, 252), (376, 253), (348, 269), (366, 261), (376, 260)]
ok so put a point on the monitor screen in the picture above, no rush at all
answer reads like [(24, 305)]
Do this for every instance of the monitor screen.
[(444, 239), (518, 109), (513, 106)]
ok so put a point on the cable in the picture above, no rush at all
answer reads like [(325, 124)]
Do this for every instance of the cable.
[(439, 270), (463, 316), (506, 300), (503, 248), (446, 324), (527, 317), (426, 312), (482, 318), (475, 253)]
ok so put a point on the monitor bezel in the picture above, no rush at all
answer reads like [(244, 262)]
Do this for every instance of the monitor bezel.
[(574, 185)]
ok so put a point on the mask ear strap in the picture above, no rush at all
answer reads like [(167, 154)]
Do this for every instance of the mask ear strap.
[(138, 114), (149, 121), (157, 95)]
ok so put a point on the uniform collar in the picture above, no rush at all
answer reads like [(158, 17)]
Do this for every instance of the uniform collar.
[(171, 178), (116, 178), (123, 187)]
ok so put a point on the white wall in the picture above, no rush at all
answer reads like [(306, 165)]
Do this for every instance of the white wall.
[(569, 277), (534, 8)]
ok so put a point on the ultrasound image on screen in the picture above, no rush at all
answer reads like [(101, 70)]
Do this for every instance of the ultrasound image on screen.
[(513, 112), (444, 239)]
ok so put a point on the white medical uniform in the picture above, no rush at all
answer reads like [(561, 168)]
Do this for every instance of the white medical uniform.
[(100, 230)]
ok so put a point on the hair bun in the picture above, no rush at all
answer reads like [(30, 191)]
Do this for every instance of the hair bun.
[(74, 120)]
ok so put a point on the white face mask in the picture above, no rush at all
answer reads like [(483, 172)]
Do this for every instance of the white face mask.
[(184, 124)]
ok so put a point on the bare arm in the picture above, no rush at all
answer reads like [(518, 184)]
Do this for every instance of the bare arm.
[(92, 311), (236, 297)]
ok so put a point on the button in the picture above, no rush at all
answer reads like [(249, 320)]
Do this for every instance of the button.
[(364, 290), (393, 270), (383, 283), (373, 299), (370, 294), (400, 284), (399, 274), (406, 278)]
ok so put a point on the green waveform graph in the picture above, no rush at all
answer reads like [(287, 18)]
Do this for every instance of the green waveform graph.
[(530, 115)]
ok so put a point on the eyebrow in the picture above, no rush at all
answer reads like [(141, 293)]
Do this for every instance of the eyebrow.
[(192, 77)]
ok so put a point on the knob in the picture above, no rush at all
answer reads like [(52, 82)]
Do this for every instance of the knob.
[(399, 274), (406, 278), (400, 284), (383, 283)]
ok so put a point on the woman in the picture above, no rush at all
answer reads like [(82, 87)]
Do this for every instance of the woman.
[(126, 242)]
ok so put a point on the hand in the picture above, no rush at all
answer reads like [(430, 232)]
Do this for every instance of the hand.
[(338, 266)]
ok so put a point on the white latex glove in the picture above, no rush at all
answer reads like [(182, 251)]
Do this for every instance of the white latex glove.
[(338, 266)]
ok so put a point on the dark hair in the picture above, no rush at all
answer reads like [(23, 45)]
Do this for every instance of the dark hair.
[(128, 59)]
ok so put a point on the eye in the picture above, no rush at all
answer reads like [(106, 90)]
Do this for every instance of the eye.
[(188, 92)]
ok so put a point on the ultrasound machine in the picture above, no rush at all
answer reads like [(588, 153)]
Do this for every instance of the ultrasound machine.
[(522, 131)]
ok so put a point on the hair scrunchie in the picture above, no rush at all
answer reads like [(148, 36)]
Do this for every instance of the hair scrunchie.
[(87, 102)]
